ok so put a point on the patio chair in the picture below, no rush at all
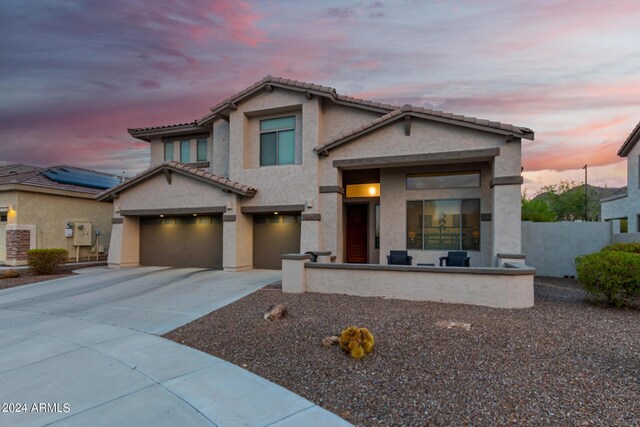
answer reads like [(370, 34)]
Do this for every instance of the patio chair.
[(456, 259), (399, 258)]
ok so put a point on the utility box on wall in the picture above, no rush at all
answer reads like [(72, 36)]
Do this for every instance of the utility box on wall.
[(82, 234)]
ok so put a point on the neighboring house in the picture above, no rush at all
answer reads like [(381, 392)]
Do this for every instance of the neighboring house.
[(288, 167), (40, 207), (627, 206)]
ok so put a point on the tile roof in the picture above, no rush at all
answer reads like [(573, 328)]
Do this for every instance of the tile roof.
[(32, 175), (630, 142), (331, 93), (427, 113), (185, 169)]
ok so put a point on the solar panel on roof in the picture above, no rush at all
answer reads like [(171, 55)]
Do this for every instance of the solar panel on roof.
[(82, 178)]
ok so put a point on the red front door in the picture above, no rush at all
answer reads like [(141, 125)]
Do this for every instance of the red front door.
[(357, 231)]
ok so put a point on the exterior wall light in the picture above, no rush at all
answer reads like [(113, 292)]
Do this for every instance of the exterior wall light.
[(275, 213)]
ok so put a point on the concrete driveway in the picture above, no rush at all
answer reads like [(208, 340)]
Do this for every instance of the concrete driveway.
[(89, 341)]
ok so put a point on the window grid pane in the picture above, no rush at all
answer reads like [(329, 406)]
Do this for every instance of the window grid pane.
[(443, 224), (168, 151), (185, 151), (202, 150), (286, 147), (422, 181), (268, 149), (279, 123)]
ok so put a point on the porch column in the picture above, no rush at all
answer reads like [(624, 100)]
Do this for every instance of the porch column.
[(237, 241), (332, 227), (310, 236), (506, 215), (124, 249)]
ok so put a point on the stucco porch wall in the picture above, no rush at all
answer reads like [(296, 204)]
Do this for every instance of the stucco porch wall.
[(492, 287)]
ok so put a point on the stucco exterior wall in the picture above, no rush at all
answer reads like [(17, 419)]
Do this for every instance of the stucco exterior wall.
[(50, 213), (280, 184), (552, 247), (485, 287), (157, 193), (627, 207)]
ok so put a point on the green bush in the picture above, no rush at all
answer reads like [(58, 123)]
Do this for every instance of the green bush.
[(610, 275), (623, 247), (45, 261)]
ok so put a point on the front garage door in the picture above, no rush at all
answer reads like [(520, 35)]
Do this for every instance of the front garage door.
[(274, 235), (183, 241)]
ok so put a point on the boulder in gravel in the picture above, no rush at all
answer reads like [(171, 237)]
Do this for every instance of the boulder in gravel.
[(329, 341), (453, 325), (9, 274), (275, 312)]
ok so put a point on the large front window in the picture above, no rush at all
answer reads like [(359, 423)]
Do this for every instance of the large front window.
[(278, 141), (443, 224)]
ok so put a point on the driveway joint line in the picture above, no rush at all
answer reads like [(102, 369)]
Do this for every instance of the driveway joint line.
[(313, 405), (100, 404)]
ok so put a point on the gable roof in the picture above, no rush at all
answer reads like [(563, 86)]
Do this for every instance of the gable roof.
[(630, 142), (223, 108), (21, 174), (428, 114), (185, 170)]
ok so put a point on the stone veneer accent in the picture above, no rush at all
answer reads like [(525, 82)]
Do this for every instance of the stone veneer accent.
[(18, 243)]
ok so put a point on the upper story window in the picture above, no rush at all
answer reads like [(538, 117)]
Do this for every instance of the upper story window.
[(202, 150), (278, 141), (428, 181), (168, 151), (185, 151)]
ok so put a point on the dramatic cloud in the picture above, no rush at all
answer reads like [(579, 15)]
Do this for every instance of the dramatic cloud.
[(75, 74)]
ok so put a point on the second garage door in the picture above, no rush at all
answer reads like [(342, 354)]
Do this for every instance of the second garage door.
[(273, 236), (183, 241)]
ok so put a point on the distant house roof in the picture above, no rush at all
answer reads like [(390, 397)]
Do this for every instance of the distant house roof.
[(63, 177), (630, 142), (428, 114), (222, 109), (184, 169)]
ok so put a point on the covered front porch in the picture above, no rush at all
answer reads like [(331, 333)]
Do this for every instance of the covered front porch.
[(428, 205)]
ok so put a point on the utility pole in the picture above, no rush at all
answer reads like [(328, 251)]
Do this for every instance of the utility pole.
[(586, 199)]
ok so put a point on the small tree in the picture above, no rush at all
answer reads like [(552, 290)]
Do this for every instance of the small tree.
[(536, 210), (567, 201)]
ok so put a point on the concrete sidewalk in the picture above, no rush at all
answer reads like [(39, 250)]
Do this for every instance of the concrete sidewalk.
[(88, 341)]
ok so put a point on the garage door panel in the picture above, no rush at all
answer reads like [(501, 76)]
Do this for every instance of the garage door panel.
[(181, 242), (273, 236)]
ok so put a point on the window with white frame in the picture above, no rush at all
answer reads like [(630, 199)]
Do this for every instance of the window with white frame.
[(278, 141), (452, 224)]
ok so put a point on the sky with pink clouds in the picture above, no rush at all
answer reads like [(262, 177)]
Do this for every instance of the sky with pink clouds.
[(74, 75)]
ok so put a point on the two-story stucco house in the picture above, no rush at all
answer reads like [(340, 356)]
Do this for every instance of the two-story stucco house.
[(627, 206), (288, 167)]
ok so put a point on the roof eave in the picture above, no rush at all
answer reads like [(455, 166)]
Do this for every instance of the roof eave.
[(324, 149), (631, 141), (148, 134)]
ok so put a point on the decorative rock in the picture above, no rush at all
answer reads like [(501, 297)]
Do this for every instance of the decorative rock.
[(451, 325), (275, 312), (9, 274), (329, 341)]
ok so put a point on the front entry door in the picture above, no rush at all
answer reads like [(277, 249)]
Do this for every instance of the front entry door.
[(357, 231)]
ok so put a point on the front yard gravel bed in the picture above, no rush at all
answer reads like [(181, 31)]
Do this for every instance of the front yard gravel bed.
[(565, 361)]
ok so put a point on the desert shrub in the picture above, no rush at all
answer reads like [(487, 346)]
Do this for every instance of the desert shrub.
[(610, 275), (45, 261), (356, 341), (633, 247)]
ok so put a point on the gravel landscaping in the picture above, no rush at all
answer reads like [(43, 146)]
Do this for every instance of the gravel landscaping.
[(566, 361), (28, 277)]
